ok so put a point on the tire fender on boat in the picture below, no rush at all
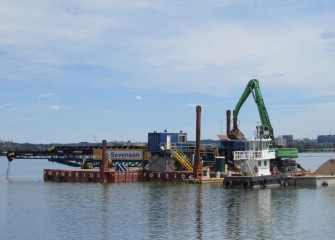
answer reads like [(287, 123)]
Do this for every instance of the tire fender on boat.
[(263, 183), (246, 184), (228, 183), (283, 183)]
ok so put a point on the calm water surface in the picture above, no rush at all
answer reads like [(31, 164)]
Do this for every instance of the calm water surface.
[(33, 209)]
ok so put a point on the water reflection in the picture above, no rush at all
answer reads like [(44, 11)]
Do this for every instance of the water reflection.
[(259, 213), (105, 210), (233, 206), (8, 170), (198, 211), (174, 211), (263, 213), (157, 209), (31, 207)]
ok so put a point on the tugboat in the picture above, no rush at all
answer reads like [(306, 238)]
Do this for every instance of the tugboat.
[(255, 167)]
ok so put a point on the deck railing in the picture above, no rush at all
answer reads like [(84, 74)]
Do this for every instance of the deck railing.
[(265, 154)]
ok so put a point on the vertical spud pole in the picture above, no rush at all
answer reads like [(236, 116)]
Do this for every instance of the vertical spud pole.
[(197, 170), (104, 168)]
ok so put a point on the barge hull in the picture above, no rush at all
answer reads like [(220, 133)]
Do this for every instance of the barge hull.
[(94, 175), (269, 181), (311, 181)]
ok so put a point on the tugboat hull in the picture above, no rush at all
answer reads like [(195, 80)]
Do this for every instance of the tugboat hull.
[(268, 181)]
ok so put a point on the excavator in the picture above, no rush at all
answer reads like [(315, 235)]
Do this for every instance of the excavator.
[(265, 130)]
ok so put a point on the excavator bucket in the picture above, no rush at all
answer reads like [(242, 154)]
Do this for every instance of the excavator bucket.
[(236, 134)]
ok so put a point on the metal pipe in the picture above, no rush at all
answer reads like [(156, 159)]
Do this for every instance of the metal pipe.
[(104, 168), (228, 121), (197, 169), (198, 130)]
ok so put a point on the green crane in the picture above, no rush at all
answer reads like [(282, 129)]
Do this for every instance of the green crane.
[(265, 130)]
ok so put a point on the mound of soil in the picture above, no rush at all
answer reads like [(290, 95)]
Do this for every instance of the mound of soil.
[(328, 168)]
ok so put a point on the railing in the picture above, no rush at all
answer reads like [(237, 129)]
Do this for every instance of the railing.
[(175, 145), (265, 154), (182, 159)]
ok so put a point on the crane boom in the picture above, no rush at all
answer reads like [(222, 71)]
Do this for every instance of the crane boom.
[(266, 128)]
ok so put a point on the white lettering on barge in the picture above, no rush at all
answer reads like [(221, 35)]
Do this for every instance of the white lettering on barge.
[(126, 155)]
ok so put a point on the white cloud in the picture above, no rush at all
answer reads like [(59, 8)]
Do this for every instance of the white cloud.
[(54, 108), (45, 95), (216, 53), (211, 48), (284, 56), (6, 105)]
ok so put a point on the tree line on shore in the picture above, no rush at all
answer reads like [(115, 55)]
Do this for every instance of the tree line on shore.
[(302, 146)]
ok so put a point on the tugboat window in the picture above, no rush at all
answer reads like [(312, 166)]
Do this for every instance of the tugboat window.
[(182, 138)]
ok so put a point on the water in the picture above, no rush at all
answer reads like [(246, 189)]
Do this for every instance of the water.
[(33, 209)]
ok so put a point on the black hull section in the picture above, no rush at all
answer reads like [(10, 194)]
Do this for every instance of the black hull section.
[(269, 181)]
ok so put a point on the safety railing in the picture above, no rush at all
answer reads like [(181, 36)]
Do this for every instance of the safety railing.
[(265, 154), (182, 159)]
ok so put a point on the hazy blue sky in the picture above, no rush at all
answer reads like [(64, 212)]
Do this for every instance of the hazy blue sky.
[(120, 69)]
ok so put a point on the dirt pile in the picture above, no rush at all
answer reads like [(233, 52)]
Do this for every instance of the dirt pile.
[(328, 168)]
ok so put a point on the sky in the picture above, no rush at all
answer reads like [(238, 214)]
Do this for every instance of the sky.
[(74, 71)]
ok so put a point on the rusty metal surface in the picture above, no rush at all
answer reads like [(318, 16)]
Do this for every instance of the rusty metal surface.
[(94, 175), (104, 169), (197, 170)]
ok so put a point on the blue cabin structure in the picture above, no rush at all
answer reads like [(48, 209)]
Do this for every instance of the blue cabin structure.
[(160, 141)]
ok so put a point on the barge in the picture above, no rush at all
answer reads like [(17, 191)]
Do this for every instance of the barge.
[(95, 176)]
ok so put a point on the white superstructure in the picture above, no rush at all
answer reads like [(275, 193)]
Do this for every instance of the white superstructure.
[(255, 160)]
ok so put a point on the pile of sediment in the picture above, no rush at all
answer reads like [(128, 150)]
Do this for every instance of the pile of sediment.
[(328, 168)]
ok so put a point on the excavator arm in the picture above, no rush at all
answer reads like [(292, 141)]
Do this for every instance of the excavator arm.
[(266, 129)]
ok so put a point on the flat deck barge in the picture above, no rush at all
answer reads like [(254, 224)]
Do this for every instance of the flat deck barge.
[(95, 175), (311, 181), (111, 176)]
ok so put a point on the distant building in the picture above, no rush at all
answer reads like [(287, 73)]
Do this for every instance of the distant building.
[(289, 139), (326, 139), (284, 140), (307, 140)]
